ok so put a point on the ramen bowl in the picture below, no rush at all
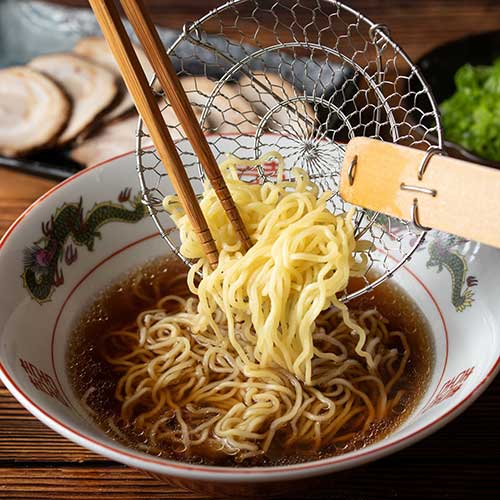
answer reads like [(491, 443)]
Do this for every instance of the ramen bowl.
[(91, 229)]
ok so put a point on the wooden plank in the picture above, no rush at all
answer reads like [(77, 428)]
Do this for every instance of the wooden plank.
[(459, 461), (15, 186), (386, 479), (18, 191), (69, 483), (24, 439), (417, 25)]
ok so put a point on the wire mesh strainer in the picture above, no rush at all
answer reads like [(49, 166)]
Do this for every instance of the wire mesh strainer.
[(302, 77)]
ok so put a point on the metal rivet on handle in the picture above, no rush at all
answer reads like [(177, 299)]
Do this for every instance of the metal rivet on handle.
[(415, 218), (418, 189), (351, 172), (427, 158)]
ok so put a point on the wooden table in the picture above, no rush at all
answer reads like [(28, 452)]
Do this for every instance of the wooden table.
[(459, 461)]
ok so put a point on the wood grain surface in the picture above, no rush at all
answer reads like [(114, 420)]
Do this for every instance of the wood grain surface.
[(417, 25), (459, 461)]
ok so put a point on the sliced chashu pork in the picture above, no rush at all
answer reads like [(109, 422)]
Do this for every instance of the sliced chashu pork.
[(91, 88), (33, 111), (97, 50), (111, 140), (262, 100), (229, 112), (119, 137)]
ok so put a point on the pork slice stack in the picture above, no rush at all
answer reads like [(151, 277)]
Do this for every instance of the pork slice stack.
[(91, 88), (79, 101), (96, 49), (33, 111)]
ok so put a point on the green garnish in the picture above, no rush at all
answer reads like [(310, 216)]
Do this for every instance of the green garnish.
[(471, 116)]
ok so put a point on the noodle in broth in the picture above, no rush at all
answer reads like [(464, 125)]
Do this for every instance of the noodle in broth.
[(259, 359)]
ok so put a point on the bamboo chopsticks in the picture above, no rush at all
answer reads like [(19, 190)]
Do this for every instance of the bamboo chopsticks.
[(112, 27)]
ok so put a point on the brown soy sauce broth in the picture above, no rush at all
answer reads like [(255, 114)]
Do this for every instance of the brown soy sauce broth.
[(117, 306), (403, 315), (113, 308)]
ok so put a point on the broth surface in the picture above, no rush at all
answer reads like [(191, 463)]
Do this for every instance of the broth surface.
[(117, 306)]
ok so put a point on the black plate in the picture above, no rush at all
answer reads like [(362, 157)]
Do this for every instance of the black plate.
[(440, 65)]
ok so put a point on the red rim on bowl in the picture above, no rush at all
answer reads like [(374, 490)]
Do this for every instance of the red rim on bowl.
[(165, 466)]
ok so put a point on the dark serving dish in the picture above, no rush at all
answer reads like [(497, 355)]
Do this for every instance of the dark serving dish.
[(440, 65)]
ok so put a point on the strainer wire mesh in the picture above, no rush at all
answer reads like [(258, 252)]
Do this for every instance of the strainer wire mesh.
[(302, 77)]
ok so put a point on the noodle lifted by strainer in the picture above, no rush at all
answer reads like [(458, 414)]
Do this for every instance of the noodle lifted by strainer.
[(257, 362), (301, 258)]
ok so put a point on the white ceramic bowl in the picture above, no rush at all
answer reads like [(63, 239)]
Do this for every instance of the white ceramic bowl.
[(90, 229)]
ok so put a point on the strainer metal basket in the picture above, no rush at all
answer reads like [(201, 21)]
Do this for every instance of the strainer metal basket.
[(301, 77)]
